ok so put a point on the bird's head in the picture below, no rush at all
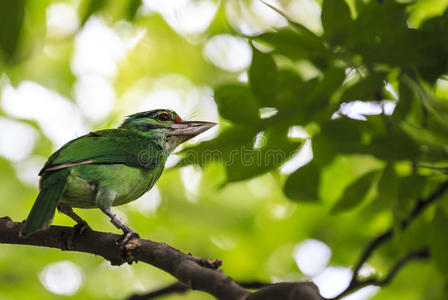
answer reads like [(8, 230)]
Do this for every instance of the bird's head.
[(165, 125)]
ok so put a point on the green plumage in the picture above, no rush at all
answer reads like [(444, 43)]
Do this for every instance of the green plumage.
[(51, 190), (108, 167)]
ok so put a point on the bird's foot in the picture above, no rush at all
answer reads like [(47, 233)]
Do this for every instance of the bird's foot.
[(126, 243), (127, 237), (77, 231)]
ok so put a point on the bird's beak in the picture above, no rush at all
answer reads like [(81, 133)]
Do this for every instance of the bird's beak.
[(189, 129)]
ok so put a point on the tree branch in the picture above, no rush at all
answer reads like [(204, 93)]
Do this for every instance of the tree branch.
[(192, 272), (357, 284), (375, 243), (179, 288), (176, 287), (197, 273)]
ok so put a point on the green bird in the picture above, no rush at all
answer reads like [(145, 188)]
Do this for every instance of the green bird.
[(109, 167)]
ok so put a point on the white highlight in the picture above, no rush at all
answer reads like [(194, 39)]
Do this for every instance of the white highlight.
[(62, 278), (95, 96), (333, 281), (359, 109), (28, 170), (253, 17), (17, 139), (97, 48), (307, 13), (59, 119), (149, 202), (62, 20), (300, 159), (228, 52), (312, 256), (267, 112), (184, 16), (191, 178)]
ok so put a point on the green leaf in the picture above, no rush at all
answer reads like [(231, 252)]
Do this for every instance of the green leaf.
[(295, 45), (303, 184), (368, 88), (394, 145), (132, 8), (335, 20), (221, 149), (237, 103), (246, 162), (409, 190), (354, 193), (11, 23), (439, 240), (90, 7), (288, 83), (263, 78), (387, 187), (316, 102), (405, 101), (340, 136)]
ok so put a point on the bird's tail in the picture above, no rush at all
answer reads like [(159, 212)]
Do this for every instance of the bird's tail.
[(52, 188)]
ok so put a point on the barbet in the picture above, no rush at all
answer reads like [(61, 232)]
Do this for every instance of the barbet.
[(109, 167)]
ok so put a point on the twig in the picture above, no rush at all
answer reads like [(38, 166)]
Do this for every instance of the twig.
[(375, 243), (176, 287), (179, 288), (359, 284)]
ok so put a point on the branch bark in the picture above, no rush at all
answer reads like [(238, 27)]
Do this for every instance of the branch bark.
[(192, 272), (180, 288), (196, 273)]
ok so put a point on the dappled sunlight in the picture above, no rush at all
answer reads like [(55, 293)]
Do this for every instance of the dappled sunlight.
[(61, 278), (253, 17), (187, 17), (95, 96), (16, 139), (191, 179), (149, 203), (28, 169), (333, 280), (304, 156), (97, 49), (307, 13), (312, 256), (62, 20), (228, 52), (59, 119), (358, 110)]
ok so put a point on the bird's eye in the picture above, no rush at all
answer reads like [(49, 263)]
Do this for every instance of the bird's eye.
[(163, 117)]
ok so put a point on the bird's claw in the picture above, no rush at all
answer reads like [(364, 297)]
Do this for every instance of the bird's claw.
[(128, 236), (77, 230), (124, 241)]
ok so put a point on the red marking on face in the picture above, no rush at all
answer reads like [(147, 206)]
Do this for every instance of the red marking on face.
[(177, 120)]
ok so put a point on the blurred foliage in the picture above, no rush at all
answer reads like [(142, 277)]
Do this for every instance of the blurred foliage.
[(365, 175)]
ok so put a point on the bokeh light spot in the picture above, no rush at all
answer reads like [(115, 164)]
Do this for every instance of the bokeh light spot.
[(16, 139), (62, 278), (312, 256), (228, 52)]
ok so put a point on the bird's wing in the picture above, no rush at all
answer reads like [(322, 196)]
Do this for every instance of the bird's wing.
[(112, 146)]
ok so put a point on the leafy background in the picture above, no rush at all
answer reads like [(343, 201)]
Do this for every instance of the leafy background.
[(354, 94)]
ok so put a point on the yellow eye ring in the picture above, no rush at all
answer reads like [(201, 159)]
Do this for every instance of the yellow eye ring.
[(164, 117)]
